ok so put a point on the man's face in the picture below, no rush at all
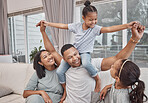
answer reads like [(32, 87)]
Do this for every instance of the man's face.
[(72, 57)]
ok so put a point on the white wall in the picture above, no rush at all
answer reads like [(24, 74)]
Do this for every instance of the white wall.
[(20, 5)]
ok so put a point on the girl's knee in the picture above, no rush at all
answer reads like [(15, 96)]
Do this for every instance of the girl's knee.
[(86, 64), (58, 71)]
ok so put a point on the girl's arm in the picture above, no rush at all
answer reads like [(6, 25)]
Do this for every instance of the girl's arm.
[(48, 45), (117, 27), (56, 25)]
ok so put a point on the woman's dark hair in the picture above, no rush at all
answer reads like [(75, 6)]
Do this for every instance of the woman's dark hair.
[(88, 8), (40, 70), (130, 77)]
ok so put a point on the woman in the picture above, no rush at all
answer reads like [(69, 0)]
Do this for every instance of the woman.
[(44, 86)]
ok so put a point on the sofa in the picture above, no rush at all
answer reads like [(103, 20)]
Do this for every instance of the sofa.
[(13, 79), (15, 76)]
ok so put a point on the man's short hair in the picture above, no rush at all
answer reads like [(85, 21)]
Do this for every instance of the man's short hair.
[(65, 47)]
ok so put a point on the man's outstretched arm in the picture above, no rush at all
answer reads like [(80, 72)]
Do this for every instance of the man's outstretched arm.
[(137, 33)]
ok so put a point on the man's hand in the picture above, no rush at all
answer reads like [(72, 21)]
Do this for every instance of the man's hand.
[(98, 83), (46, 97), (137, 31), (104, 91)]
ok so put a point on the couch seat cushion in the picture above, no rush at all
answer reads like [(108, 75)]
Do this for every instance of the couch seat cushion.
[(4, 91), (12, 98)]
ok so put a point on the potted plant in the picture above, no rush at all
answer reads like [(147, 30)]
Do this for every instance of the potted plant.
[(34, 51)]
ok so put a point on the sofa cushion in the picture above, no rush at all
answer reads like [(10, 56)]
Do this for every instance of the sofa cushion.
[(12, 98), (13, 76), (144, 77), (30, 72), (4, 91)]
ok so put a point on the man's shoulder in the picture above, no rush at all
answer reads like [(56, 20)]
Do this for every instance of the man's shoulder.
[(96, 62)]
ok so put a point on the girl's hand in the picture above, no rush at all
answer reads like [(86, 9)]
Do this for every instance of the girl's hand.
[(44, 22), (130, 25), (104, 91), (46, 97)]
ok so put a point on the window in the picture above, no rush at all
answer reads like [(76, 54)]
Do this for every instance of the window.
[(16, 32), (24, 35), (138, 11), (108, 44), (34, 37), (110, 13)]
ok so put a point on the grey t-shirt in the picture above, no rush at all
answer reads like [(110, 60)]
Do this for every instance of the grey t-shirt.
[(50, 84), (84, 39), (113, 96)]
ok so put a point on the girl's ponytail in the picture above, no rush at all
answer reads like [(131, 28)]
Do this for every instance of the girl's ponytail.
[(87, 3), (88, 8), (137, 94)]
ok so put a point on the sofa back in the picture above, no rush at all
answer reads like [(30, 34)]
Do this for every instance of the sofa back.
[(144, 77), (15, 76)]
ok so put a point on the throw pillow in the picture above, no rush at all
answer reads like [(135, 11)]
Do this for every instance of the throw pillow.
[(4, 91)]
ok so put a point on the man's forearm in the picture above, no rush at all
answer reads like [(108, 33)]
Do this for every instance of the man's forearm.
[(127, 50)]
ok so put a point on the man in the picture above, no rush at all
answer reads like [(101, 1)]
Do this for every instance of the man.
[(79, 84)]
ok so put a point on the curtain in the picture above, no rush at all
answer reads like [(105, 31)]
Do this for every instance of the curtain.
[(4, 37), (59, 11)]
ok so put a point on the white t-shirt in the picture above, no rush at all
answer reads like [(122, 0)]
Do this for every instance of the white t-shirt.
[(79, 83)]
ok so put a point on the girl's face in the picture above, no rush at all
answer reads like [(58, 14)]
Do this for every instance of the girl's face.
[(90, 20), (115, 68), (47, 59)]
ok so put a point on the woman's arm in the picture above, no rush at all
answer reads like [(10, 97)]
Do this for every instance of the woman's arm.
[(40, 92), (56, 25), (117, 27), (48, 45), (137, 33), (31, 92)]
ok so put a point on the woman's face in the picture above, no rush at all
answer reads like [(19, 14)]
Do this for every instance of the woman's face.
[(47, 59), (115, 68)]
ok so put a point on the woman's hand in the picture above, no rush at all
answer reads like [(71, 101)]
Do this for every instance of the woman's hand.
[(104, 91), (42, 25), (46, 97)]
